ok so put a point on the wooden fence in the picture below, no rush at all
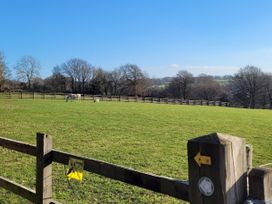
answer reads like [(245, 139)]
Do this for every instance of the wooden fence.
[(61, 96), (218, 171)]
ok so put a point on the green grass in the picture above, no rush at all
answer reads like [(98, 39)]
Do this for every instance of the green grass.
[(146, 137)]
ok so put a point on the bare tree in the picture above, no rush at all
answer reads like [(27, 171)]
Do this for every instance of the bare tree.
[(205, 87), (100, 83), (115, 78), (27, 69), (246, 85), (56, 82), (2, 70), (79, 71), (268, 88), (133, 79), (86, 74), (181, 84)]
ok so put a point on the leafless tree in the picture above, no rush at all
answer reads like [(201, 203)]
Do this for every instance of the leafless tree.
[(27, 69), (205, 87), (100, 83), (56, 82), (133, 79), (180, 85), (268, 88), (246, 85), (86, 74), (79, 71), (2, 70), (115, 78)]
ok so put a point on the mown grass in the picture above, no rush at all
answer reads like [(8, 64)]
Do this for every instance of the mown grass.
[(146, 137)]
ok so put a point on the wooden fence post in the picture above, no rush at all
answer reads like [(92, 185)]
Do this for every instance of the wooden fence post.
[(260, 184), (43, 169), (217, 169)]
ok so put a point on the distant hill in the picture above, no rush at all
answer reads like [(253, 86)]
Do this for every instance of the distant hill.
[(162, 82)]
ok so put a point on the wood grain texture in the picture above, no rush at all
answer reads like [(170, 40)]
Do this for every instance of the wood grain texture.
[(227, 171), (169, 186), (260, 184), (18, 189), (18, 146), (43, 169)]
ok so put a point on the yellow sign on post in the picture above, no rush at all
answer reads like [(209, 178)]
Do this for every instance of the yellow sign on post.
[(201, 159), (75, 169)]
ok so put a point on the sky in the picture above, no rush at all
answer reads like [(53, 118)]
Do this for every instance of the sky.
[(160, 36)]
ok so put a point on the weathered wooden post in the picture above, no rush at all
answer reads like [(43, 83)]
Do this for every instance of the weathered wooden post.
[(260, 185), (43, 169), (217, 169)]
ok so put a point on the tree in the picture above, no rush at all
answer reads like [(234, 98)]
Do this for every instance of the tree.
[(86, 74), (79, 71), (56, 82), (2, 70), (181, 84), (115, 79), (268, 88), (100, 83), (205, 87), (246, 85), (5, 73), (27, 69), (134, 80)]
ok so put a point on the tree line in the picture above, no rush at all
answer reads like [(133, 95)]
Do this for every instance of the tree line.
[(250, 87)]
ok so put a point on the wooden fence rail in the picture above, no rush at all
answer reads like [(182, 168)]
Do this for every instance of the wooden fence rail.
[(219, 167), (165, 185), (60, 96)]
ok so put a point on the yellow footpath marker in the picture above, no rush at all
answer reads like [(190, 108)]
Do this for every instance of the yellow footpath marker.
[(201, 159), (75, 170)]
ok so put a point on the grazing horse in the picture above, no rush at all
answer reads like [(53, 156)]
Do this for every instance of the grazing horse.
[(73, 97)]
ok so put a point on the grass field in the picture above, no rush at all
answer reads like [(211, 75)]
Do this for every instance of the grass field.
[(146, 137)]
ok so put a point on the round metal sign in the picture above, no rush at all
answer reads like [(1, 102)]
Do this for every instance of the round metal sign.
[(205, 186)]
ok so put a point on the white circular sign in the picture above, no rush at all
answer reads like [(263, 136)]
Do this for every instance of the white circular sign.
[(205, 186)]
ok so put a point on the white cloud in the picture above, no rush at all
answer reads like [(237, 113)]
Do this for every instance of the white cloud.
[(174, 66)]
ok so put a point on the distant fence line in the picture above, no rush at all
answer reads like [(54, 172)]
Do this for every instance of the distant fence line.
[(60, 96)]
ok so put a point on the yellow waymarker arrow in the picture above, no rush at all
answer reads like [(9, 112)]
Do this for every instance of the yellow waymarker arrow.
[(201, 159)]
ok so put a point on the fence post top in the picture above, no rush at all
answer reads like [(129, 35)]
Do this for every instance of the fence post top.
[(216, 138), (260, 171)]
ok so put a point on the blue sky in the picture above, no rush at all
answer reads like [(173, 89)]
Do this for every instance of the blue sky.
[(160, 36)]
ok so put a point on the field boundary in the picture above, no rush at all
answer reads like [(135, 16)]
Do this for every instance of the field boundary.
[(61, 96)]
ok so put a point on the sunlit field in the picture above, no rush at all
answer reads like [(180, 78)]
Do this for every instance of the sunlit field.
[(147, 137)]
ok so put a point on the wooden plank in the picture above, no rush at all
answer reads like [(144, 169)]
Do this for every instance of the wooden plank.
[(43, 169), (169, 186), (260, 184), (18, 189), (217, 161), (18, 146)]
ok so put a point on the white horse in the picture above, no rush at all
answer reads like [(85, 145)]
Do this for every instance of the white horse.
[(73, 97)]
